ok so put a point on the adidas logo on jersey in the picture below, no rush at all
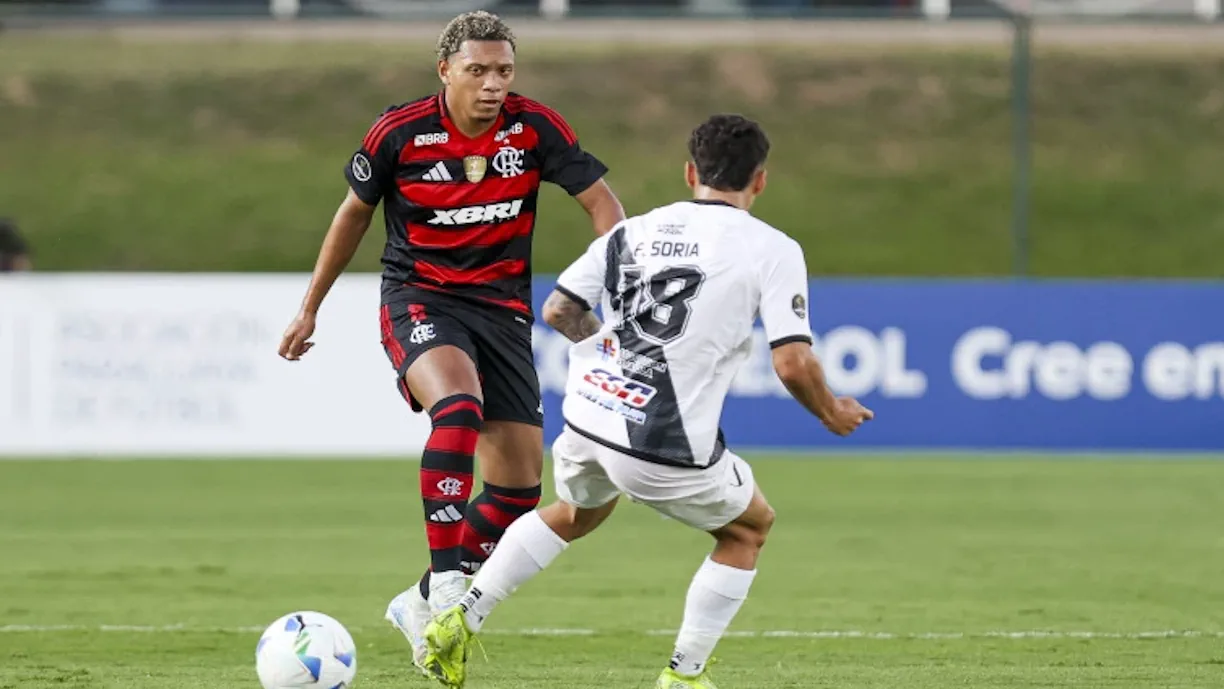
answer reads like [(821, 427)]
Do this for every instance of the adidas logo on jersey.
[(478, 214), (447, 515), (438, 173)]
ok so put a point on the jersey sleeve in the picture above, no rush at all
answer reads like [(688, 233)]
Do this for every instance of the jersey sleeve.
[(583, 281), (784, 289), (371, 169), (564, 162)]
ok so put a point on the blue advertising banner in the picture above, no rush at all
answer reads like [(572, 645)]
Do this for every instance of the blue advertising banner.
[(986, 364)]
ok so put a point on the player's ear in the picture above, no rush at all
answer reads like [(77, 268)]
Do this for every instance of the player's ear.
[(758, 181), (690, 174), (444, 71)]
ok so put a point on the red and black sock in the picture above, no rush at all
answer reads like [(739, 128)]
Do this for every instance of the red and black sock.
[(487, 518), (446, 476)]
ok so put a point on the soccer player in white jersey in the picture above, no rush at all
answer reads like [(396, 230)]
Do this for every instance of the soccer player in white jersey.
[(680, 287)]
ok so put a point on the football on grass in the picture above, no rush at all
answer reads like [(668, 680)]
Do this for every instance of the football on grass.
[(306, 650)]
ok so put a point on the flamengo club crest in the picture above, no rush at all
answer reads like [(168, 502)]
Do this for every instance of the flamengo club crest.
[(474, 168), (508, 162)]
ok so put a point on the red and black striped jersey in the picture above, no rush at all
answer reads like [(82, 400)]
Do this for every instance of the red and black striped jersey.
[(460, 211)]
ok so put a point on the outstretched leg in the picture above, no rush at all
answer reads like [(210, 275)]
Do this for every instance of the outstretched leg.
[(530, 544), (717, 592)]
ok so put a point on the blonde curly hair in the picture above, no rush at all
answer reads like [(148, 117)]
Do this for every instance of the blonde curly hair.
[(472, 26)]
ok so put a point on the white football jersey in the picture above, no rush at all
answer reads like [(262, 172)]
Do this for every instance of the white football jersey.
[(681, 288)]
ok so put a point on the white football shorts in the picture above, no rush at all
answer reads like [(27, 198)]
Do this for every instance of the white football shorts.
[(589, 475)]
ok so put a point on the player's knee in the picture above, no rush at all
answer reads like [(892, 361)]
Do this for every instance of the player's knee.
[(458, 411), (767, 520), (750, 534), (760, 528)]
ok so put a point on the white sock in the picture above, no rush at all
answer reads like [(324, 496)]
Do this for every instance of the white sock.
[(716, 594), (527, 547)]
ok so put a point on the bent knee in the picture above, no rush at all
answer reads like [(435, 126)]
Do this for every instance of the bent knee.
[(767, 520), (748, 534)]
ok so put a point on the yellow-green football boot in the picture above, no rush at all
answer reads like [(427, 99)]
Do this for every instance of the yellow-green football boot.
[(448, 643), (671, 680)]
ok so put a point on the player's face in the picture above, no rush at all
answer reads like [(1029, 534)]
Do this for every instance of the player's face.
[(479, 77)]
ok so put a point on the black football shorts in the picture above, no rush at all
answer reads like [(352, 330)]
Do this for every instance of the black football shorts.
[(498, 340)]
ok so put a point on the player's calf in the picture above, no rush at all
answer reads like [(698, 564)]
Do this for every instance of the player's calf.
[(488, 517), (719, 588), (446, 485)]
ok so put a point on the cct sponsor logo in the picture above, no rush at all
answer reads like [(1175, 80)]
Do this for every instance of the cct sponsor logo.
[(988, 364), (617, 394), (630, 392)]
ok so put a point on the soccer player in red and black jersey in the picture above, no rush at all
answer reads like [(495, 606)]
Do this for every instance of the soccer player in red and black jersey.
[(458, 174)]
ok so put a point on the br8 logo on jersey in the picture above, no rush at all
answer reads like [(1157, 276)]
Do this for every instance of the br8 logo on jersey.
[(431, 139), (631, 392)]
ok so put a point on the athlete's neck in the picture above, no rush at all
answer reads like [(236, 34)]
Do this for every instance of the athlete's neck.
[(470, 127), (740, 199)]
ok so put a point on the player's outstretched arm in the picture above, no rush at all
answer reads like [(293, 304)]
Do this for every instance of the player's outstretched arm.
[(800, 371), (574, 320), (348, 226), (576, 171)]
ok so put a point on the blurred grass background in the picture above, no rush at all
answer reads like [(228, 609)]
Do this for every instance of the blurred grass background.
[(219, 155)]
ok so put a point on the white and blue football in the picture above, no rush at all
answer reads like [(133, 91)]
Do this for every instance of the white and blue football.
[(306, 650)]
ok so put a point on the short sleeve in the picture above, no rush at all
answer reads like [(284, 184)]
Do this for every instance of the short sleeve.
[(371, 170), (564, 163), (784, 289), (583, 281)]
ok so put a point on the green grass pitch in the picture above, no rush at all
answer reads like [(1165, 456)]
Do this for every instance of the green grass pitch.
[(882, 573)]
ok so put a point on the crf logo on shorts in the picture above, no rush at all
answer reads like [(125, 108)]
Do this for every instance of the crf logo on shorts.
[(505, 210), (423, 332)]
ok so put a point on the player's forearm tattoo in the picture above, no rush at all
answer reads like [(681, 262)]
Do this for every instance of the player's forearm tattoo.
[(569, 318)]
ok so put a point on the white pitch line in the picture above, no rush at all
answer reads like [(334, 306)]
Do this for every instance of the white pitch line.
[(768, 634)]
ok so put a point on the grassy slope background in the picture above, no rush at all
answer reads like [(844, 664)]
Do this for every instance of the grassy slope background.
[(227, 155)]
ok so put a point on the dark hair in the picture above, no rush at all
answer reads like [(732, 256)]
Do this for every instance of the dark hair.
[(11, 245), (472, 26), (728, 150)]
